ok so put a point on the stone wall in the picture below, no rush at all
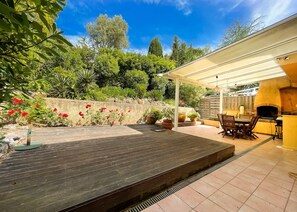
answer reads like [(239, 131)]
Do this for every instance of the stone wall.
[(137, 107)]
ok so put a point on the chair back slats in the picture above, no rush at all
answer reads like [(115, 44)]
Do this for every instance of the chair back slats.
[(228, 121), (252, 123)]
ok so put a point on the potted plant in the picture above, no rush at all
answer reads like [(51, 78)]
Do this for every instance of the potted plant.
[(152, 115), (168, 114), (182, 117), (193, 116)]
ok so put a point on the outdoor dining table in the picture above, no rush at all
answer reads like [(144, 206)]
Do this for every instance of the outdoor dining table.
[(245, 123)]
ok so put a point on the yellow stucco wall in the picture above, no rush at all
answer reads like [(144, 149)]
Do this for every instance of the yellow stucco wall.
[(290, 132)]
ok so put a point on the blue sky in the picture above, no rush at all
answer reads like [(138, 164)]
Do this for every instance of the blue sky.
[(200, 22)]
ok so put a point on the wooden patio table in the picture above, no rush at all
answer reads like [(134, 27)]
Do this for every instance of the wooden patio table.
[(245, 123)]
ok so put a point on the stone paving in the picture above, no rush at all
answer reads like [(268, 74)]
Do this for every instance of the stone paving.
[(257, 181)]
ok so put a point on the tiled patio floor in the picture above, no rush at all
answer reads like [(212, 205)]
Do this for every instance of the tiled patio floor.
[(257, 181)]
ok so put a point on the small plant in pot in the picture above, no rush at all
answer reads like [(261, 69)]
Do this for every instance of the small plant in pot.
[(193, 116), (182, 116), (152, 115), (168, 114)]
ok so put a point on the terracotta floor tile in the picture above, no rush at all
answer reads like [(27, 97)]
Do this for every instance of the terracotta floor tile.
[(225, 201), (281, 174), (222, 175), (283, 183), (246, 208), (276, 189), (291, 206), (209, 206), (235, 192), (249, 178), (255, 174), (153, 208), (203, 188), (261, 205), (213, 181), (230, 170), (190, 196), (173, 203), (243, 185), (261, 168), (295, 186), (293, 196), (272, 198)]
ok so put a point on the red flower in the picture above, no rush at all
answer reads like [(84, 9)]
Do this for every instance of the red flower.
[(81, 113), (19, 110), (107, 117), (110, 111), (129, 111), (112, 123), (88, 106), (102, 109), (37, 106), (11, 112), (117, 110), (17, 101), (24, 114), (55, 109), (119, 120), (60, 114), (122, 114), (65, 115)]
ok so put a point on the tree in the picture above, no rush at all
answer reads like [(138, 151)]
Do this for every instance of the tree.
[(137, 80), (182, 57), (26, 28), (108, 32), (175, 49), (106, 69), (238, 31), (156, 47)]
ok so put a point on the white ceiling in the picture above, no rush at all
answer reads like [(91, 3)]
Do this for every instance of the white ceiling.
[(252, 59)]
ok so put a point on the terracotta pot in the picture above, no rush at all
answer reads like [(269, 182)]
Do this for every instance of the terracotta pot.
[(194, 120), (167, 124), (182, 117), (150, 120)]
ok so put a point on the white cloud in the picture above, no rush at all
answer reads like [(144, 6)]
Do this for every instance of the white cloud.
[(182, 5), (272, 11), (142, 51), (73, 39)]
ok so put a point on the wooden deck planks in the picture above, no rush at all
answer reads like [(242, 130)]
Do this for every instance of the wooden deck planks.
[(107, 173)]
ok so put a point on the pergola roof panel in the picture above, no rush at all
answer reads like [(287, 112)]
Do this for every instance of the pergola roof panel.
[(246, 61)]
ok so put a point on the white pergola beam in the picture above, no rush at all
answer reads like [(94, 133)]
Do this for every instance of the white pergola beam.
[(176, 104)]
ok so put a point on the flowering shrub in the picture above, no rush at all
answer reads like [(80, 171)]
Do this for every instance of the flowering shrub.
[(102, 116), (32, 111)]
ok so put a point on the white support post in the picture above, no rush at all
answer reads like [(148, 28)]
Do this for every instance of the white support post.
[(221, 100), (176, 104)]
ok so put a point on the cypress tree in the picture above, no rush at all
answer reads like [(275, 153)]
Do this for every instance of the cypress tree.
[(156, 47), (175, 49)]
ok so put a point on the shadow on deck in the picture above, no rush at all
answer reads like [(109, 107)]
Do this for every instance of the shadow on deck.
[(108, 173)]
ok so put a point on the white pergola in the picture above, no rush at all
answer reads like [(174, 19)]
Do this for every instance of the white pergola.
[(252, 59)]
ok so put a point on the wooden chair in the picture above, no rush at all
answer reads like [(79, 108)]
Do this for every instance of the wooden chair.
[(250, 128), (229, 126), (221, 121)]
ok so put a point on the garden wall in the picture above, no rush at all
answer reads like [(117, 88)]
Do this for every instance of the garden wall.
[(136, 107)]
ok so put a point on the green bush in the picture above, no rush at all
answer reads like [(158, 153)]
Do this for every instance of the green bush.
[(129, 92), (95, 94), (169, 101), (155, 95), (140, 90)]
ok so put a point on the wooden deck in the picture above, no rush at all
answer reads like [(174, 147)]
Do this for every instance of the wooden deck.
[(102, 174)]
